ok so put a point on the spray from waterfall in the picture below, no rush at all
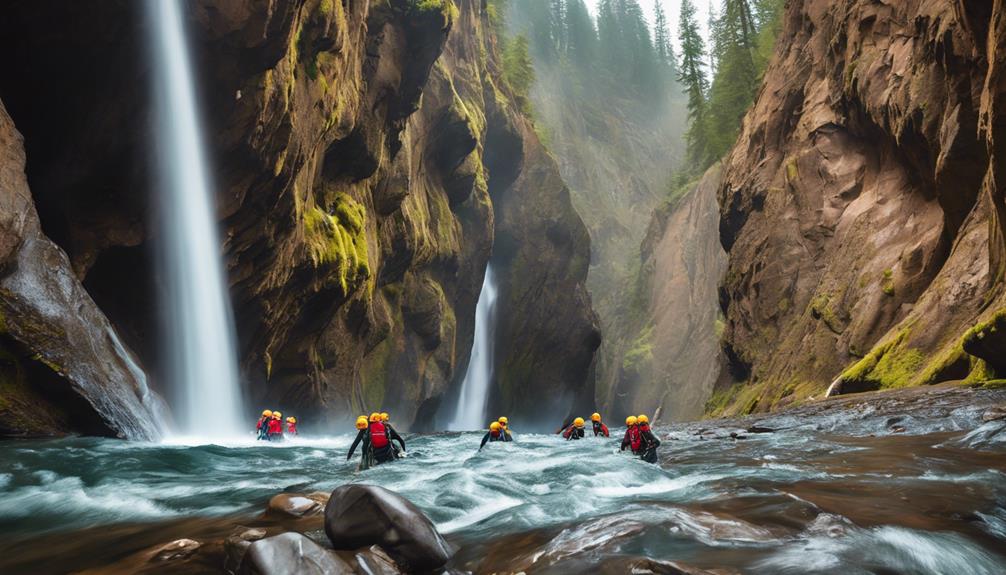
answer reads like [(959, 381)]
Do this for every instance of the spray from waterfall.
[(471, 411), (199, 339)]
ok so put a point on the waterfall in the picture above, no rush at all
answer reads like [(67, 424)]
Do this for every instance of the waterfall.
[(200, 357), (471, 411)]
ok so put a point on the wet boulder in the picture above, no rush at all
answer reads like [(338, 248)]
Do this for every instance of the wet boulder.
[(363, 515), (375, 561), (176, 550), (237, 545), (291, 553), (298, 505)]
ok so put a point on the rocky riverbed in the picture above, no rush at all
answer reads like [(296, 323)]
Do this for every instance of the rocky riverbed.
[(907, 481)]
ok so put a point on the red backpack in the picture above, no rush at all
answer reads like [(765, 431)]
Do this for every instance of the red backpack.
[(635, 438), (378, 435)]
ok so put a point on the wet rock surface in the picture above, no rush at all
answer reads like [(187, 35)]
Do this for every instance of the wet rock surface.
[(62, 364), (291, 553), (364, 515), (297, 504)]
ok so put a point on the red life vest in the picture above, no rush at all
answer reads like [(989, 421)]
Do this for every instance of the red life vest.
[(261, 420), (635, 438), (378, 435), (275, 427), (291, 428)]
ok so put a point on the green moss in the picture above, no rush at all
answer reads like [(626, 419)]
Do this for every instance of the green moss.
[(890, 364), (887, 285), (339, 240), (445, 7), (374, 373), (792, 171), (267, 358), (821, 308), (280, 162), (721, 399), (641, 351), (994, 384), (326, 7)]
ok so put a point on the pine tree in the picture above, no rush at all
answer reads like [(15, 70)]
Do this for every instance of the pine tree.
[(661, 36), (736, 78), (581, 46), (518, 70), (692, 75)]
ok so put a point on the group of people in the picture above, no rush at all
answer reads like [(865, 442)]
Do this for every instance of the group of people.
[(270, 426), (377, 436), (499, 430), (640, 439), (575, 429)]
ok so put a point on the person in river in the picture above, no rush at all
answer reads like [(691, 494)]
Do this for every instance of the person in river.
[(275, 431), (291, 425), (361, 435), (495, 433), (505, 428), (392, 434), (599, 427), (650, 443), (380, 443), (262, 427), (632, 439), (574, 431)]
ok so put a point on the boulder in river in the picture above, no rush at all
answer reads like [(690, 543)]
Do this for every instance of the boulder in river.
[(179, 549), (363, 515), (297, 504), (291, 553), (374, 561)]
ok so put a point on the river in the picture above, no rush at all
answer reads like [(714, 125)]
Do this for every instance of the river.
[(850, 491)]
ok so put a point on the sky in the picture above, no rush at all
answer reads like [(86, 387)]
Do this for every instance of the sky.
[(671, 9)]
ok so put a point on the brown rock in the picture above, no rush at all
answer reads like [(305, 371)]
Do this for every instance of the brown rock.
[(860, 207), (298, 505), (291, 553), (180, 549)]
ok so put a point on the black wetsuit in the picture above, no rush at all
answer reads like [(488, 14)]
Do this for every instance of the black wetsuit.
[(650, 444), (573, 432), (490, 437), (363, 436), (393, 436)]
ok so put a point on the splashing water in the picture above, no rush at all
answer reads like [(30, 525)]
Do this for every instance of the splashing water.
[(199, 335), (471, 408)]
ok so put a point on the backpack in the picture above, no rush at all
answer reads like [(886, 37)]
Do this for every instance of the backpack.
[(635, 439), (378, 435)]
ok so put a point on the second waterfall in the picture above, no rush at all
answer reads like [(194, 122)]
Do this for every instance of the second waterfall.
[(471, 410), (199, 340)]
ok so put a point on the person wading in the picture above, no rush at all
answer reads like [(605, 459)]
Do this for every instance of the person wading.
[(275, 432), (392, 434), (650, 443), (495, 433), (632, 439), (574, 431), (262, 427), (504, 427), (599, 427)]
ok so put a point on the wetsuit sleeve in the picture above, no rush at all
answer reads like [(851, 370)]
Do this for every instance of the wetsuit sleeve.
[(393, 435), (651, 439), (604, 430), (352, 448), (625, 440), (568, 434), (485, 440)]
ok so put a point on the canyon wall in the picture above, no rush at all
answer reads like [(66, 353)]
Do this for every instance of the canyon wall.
[(369, 162), (862, 206)]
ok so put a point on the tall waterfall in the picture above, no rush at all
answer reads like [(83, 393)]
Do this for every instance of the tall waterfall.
[(199, 339), (471, 411)]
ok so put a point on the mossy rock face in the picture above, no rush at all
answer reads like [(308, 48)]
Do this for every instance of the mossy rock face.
[(338, 241), (987, 341), (890, 364)]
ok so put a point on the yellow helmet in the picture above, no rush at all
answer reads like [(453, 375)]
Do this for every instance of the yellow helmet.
[(595, 416), (384, 416), (631, 420), (291, 420), (494, 426), (503, 421), (361, 422), (277, 415), (375, 416), (642, 418), (267, 413), (578, 422)]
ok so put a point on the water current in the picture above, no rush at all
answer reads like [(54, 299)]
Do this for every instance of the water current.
[(823, 496)]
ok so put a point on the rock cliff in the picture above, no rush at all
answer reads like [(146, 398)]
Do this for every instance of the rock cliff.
[(369, 162), (862, 207), (667, 340)]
